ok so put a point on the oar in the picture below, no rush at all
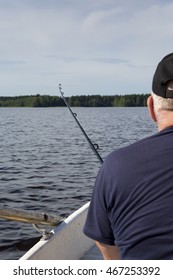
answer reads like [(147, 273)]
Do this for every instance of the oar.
[(28, 216)]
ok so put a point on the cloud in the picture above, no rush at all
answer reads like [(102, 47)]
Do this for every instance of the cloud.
[(11, 62), (88, 45), (110, 60)]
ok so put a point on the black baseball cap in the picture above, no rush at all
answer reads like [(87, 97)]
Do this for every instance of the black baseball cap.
[(163, 74)]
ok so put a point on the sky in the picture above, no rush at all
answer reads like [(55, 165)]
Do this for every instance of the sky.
[(104, 47)]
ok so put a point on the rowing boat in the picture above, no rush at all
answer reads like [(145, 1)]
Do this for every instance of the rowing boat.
[(66, 241)]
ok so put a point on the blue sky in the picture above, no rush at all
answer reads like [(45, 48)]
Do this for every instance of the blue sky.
[(90, 47)]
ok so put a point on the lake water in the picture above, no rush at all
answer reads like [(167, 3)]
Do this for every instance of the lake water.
[(46, 163)]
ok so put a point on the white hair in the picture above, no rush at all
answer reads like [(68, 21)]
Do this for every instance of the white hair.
[(160, 103)]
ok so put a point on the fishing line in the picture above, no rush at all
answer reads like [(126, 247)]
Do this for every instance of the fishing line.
[(94, 147)]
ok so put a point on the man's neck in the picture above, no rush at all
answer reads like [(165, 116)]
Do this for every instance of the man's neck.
[(165, 120)]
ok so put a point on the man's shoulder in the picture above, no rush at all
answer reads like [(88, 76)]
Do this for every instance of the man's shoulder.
[(130, 148), (151, 141)]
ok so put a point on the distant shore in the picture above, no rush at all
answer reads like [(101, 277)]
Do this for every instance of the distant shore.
[(131, 100)]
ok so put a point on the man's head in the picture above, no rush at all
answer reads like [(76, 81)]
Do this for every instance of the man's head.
[(162, 85), (162, 77), (162, 96)]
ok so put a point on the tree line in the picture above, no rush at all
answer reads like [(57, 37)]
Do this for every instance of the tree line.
[(132, 100)]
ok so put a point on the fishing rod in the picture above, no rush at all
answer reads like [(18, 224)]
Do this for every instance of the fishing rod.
[(94, 147)]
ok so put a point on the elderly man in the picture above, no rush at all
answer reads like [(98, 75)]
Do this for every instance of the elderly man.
[(131, 210)]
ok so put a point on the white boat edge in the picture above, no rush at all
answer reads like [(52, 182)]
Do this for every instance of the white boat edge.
[(68, 241)]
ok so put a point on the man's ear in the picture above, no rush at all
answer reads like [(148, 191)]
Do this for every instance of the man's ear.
[(150, 106)]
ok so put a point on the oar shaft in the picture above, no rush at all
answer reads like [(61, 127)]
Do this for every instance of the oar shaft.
[(32, 217)]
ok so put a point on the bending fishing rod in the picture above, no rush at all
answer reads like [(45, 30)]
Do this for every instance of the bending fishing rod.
[(94, 147)]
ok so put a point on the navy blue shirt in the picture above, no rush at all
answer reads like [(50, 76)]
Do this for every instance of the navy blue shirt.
[(132, 201)]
